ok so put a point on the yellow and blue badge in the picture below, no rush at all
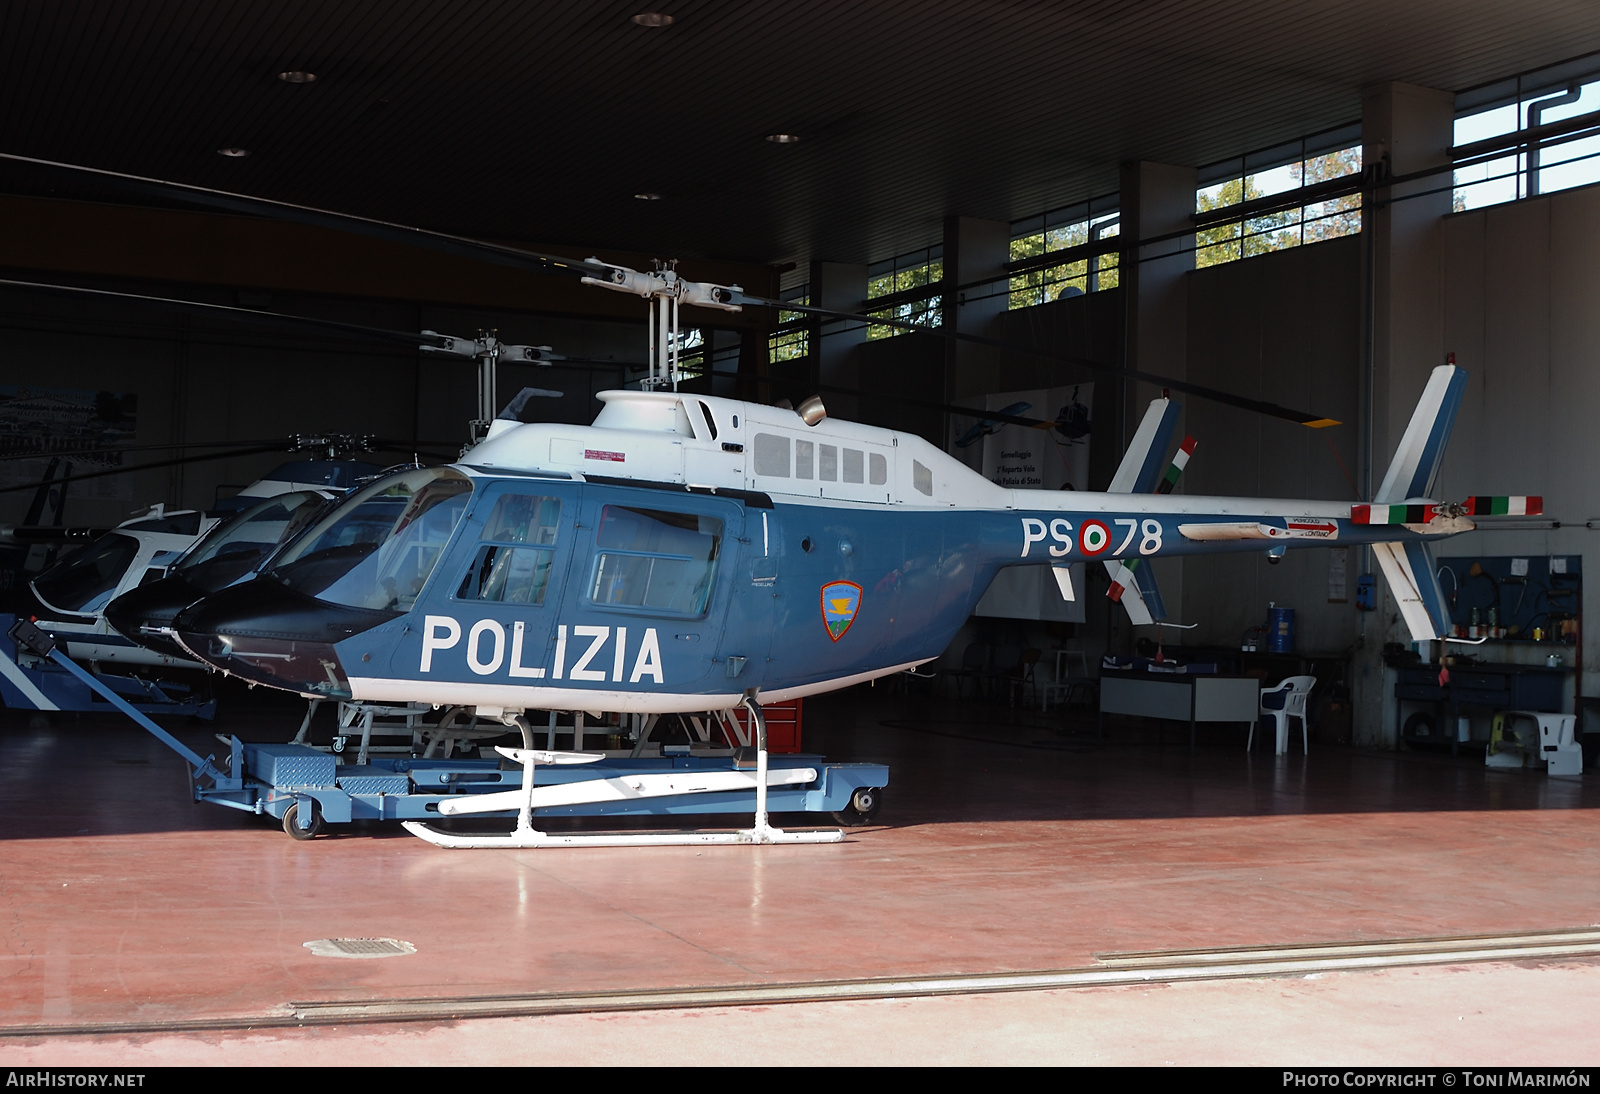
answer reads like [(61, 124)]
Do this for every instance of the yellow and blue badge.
[(840, 602)]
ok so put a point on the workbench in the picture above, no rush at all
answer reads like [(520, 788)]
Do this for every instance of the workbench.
[(1181, 697), (1487, 686)]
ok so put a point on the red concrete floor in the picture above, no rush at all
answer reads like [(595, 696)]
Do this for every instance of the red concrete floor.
[(1006, 842)]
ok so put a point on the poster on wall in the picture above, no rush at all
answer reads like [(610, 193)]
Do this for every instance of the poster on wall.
[(65, 425), (1031, 458)]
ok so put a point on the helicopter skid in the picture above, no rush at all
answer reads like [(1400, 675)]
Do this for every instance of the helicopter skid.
[(624, 788), (533, 838)]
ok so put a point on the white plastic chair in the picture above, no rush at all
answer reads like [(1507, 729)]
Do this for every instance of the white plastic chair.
[(1287, 700)]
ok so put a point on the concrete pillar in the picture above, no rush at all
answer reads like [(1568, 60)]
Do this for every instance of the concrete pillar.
[(1403, 129), (840, 286), (974, 250), (1157, 199)]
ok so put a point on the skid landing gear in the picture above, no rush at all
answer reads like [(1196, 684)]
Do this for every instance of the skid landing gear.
[(526, 836)]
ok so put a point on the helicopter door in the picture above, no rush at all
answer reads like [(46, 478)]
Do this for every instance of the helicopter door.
[(503, 583), (646, 608)]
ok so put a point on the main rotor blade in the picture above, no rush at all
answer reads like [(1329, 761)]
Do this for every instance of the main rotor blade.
[(1258, 406), (146, 467), (106, 450), (258, 317), (234, 314), (519, 258), (444, 242)]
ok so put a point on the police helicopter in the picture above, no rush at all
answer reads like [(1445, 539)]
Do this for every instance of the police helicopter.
[(688, 552), (71, 596)]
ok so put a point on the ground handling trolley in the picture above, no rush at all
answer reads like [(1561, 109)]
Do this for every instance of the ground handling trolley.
[(309, 789)]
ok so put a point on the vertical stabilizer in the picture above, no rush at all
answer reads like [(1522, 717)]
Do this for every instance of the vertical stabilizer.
[(1409, 570), (1132, 585), (1416, 460), (1140, 469)]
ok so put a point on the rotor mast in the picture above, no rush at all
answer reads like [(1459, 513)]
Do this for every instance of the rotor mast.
[(665, 290)]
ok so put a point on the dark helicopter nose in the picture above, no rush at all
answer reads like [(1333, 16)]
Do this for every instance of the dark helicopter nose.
[(263, 631), (144, 615)]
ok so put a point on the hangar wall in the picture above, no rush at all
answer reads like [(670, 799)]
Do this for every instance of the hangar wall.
[(197, 380), (1284, 327), (1519, 310)]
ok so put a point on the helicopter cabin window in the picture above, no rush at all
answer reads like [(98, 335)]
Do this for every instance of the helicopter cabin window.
[(828, 463), (854, 465), (772, 455), (803, 452), (512, 564), (655, 560), (878, 467), (379, 547), (921, 478)]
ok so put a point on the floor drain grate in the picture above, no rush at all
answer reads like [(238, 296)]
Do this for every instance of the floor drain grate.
[(360, 947)]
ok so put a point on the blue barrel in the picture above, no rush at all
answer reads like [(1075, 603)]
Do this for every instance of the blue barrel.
[(1280, 630)]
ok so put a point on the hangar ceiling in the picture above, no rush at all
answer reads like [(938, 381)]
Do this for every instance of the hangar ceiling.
[(540, 122)]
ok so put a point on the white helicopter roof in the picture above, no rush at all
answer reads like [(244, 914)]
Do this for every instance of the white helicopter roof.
[(705, 440)]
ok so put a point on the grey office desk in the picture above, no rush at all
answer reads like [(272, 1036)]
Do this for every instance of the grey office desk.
[(1181, 698)]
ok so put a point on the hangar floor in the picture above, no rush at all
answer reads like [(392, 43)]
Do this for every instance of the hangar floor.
[(142, 929)]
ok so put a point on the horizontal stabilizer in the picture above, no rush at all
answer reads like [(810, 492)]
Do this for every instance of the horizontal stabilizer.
[(1420, 513), (1499, 505), (1504, 505)]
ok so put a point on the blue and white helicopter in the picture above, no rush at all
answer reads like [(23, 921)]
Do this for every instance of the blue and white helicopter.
[(690, 553)]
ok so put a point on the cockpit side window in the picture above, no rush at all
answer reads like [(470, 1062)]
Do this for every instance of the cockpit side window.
[(654, 560), (379, 547), (512, 563)]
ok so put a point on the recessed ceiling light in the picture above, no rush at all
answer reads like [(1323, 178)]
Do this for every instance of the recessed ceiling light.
[(783, 138), (653, 19), (296, 76), (648, 196), (234, 153)]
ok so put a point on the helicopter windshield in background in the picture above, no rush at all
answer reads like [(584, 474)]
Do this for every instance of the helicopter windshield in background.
[(378, 548), (245, 542), (83, 584)]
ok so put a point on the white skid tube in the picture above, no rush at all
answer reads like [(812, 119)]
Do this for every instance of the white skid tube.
[(529, 837), (622, 788)]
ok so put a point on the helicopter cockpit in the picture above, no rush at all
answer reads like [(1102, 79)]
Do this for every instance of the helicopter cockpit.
[(378, 549)]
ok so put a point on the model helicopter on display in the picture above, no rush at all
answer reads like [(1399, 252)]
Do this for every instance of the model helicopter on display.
[(689, 553)]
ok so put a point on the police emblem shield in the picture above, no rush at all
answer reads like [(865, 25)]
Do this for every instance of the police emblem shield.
[(840, 602)]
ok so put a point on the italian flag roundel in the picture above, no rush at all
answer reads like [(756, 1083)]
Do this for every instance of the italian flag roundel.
[(1093, 537)]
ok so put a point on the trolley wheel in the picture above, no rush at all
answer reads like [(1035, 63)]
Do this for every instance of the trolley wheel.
[(863, 805), (291, 824)]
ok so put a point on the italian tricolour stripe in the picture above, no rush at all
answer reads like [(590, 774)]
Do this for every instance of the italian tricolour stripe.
[(1484, 505), (1179, 462), (1513, 505)]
